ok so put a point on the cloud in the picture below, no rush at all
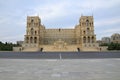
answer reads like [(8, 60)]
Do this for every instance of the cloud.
[(51, 11), (95, 4), (108, 21), (110, 31), (13, 38), (57, 14), (66, 8), (107, 33)]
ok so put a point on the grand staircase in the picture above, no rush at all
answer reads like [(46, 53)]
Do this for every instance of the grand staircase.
[(51, 48)]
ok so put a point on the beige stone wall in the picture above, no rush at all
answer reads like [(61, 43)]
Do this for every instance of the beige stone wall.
[(52, 35), (17, 49), (82, 35)]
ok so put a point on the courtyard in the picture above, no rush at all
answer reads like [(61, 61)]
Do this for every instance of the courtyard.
[(60, 69)]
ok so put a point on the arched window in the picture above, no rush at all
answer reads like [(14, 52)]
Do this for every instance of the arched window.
[(32, 31), (87, 22), (82, 24), (32, 21), (83, 32), (90, 24), (88, 30), (92, 39), (88, 39), (84, 39), (35, 39), (35, 32), (31, 40), (27, 39)]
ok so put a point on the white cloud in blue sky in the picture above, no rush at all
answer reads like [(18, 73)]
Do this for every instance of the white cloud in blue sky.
[(57, 14)]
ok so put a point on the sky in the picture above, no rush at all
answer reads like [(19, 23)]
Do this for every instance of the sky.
[(58, 14)]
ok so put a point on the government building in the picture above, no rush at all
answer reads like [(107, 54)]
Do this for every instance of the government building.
[(39, 38)]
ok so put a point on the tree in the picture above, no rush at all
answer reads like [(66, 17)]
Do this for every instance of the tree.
[(114, 46), (7, 46)]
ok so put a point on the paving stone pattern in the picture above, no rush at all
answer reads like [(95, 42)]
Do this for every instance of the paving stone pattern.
[(60, 69)]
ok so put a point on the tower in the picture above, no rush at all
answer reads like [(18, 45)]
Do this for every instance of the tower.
[(32, 37), (87, 31)]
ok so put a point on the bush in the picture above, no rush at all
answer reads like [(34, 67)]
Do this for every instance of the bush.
[(114, 46), (7, 46)]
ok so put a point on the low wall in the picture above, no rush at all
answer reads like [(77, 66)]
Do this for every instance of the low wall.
[(17, 48)]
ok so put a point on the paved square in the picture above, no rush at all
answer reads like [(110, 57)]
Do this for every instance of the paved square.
[(56, 69)]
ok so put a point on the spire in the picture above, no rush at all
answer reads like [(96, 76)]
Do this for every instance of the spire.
[(81, 14)]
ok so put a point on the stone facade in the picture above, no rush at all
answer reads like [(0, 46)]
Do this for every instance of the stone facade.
[(115, 38), (106, 40), (82, 37)]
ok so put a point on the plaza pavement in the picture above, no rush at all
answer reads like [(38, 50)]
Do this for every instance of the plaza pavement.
[(60, 66), (60, 69)]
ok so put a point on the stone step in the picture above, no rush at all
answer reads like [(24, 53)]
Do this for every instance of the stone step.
[(51, 48)]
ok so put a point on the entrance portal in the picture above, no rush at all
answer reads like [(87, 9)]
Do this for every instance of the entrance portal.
[(78, 49)]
